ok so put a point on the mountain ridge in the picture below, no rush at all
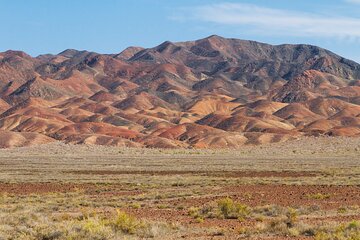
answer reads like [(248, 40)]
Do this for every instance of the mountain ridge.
[(214, 92)]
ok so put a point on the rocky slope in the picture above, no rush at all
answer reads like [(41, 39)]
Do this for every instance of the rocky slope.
[(210, 93)]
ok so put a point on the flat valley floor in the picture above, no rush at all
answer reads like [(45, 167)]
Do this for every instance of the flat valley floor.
[(303, 189)]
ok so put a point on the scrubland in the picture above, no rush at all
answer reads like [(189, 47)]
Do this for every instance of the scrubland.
[(302, 189)]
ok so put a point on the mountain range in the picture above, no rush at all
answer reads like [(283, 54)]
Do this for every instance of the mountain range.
[(210, 93)]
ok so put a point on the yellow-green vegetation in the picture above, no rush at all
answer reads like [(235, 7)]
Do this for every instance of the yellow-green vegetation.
[(318, 196), (125, 223), (65, 216), (224, 208), (289, 226), (227, 208), (349, 231), (275, 220), (232, 210)]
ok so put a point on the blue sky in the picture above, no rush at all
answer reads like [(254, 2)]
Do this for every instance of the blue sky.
[(109, 26)]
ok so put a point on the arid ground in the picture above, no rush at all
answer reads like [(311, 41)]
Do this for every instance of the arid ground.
[(302, 189)]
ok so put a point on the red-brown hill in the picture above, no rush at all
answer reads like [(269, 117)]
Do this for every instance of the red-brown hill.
[(209, 93)]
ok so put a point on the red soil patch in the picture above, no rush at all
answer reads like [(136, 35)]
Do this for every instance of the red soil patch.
[(285, 195)]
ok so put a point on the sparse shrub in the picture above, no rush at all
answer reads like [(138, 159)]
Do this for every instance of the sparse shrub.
[(96, 228), (47, 232), (318, 196), (125, 223), (154, 230), (270, 210), (292, 216), (232, 210), (294, 232), (135, 205), (199, 219), (208, 212), (225, 208), (342, 210), (278, 226), (354, 225), (350, 231), (193, 212), (284, 224)]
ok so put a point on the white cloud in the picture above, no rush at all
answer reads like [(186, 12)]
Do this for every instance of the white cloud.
[(353, 1), (275, 21)]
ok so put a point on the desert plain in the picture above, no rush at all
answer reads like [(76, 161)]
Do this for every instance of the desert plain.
[(306, 188)]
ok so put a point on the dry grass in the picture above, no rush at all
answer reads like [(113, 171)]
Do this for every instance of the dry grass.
[(61, 191)]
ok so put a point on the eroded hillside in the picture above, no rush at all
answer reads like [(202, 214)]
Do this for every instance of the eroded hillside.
[(210, 93)]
